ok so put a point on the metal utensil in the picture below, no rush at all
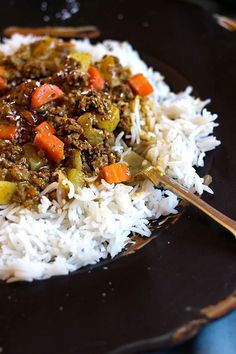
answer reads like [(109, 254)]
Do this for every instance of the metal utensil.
[(156, 178), (63, 32), (226, 22)]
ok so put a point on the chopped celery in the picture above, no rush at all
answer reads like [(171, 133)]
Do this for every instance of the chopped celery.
[(7, 190), (110, 122), (83, 58), (77, 161), (76, 177), (86, 120), (135, 162), (35, 161), (94, 136), (108, 68)]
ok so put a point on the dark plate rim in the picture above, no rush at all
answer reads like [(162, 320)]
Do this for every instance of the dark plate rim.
[(183, 333)]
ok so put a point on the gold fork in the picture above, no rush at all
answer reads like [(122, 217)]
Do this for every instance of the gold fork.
[(156, 178)]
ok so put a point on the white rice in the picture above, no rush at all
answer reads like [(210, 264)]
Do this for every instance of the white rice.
[(174, 131)]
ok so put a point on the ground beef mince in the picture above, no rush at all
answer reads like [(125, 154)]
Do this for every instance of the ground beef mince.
[(47, 85)]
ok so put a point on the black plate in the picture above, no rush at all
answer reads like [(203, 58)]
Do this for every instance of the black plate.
[(160, 295)]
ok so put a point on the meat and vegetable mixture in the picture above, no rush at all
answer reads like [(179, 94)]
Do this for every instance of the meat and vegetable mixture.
[(60, 113)]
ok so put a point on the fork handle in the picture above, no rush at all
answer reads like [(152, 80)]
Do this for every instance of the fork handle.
[(184, 193)]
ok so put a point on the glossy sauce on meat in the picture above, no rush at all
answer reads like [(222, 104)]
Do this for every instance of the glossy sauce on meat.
[(86, 120)]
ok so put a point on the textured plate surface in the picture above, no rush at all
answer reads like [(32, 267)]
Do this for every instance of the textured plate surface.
[(186, 276)]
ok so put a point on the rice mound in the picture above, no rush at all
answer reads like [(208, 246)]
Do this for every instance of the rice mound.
[(173, 131)]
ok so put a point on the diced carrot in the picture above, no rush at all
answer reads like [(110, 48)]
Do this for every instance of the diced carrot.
[(95, 78), (44, 94), (140, 85), (116, 173), (45, 128), (7, 132), (3, 83), (51, 145)]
